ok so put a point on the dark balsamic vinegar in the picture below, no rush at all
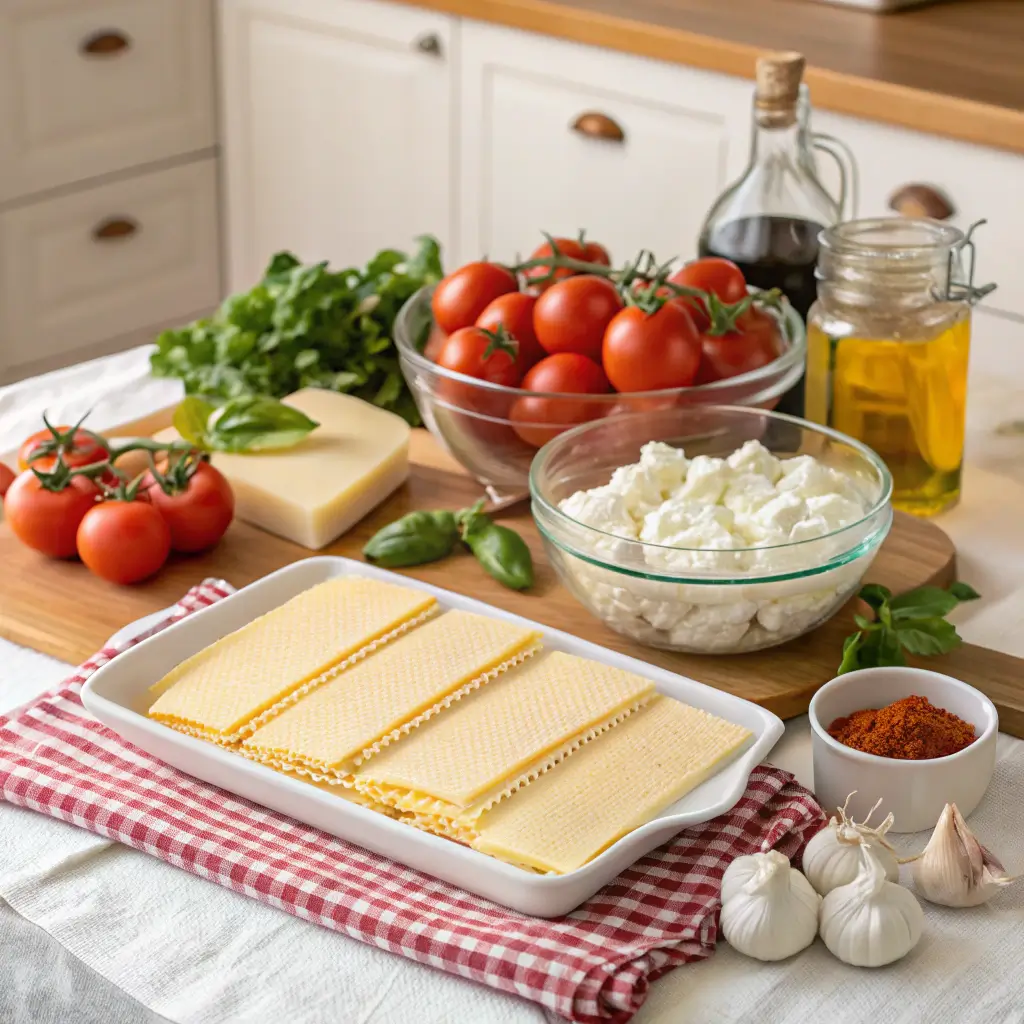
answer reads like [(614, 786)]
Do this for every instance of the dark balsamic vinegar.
[(772, 252)]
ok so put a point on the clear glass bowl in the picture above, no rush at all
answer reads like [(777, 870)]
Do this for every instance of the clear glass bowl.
[(729, 601), (471, 417)]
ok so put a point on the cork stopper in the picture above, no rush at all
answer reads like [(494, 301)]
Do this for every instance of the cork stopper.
[(778, 82)]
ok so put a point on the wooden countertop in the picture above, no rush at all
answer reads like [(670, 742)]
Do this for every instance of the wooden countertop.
[(953, 68)]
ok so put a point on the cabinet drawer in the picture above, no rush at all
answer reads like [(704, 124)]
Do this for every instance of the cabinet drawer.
[(100, 85), (642, 173), (106, 261), (980, 184)]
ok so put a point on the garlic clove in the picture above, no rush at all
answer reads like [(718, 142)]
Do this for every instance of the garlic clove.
[(832, 857), (769, 910), (955, 870), (871, 921)]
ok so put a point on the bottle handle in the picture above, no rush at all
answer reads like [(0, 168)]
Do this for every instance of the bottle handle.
[(849, 182)]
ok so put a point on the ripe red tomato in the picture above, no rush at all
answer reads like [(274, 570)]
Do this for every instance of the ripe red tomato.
[(472, 410), (535, 419), (650, 351), (756, 342), (464, 294), (476, 354), (80, 449), (711, 274), (514, 312), (589, 252), (199, 515), (594, 252), (572, 316), (124, 541), (435, 342), (48, 520), (7, 477)]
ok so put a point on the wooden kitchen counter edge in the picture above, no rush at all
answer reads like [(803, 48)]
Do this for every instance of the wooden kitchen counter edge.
[(648, 28)]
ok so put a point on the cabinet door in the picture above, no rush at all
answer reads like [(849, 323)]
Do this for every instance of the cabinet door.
[(80, 270), (337, 129), (660, 144), (100, 85)]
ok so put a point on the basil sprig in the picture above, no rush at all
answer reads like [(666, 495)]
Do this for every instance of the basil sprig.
[(914, 622), (250, 423)]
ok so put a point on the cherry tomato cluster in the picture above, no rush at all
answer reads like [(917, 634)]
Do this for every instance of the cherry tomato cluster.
[(564, 321), (70, 498)]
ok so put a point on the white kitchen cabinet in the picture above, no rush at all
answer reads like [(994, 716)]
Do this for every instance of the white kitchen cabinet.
[(337, 129), (81, 270), (100, 85), (678, 136)]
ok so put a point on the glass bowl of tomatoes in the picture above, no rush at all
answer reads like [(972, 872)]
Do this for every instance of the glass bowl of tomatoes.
[(711, 529), (494, 397)]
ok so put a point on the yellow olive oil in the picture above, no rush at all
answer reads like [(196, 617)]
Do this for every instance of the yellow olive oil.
[(903, 398)]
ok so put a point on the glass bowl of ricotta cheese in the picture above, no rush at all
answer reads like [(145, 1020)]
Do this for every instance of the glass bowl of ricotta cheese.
[(711, 529)]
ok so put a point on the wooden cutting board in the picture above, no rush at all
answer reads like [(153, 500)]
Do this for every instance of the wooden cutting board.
[(61, 609)]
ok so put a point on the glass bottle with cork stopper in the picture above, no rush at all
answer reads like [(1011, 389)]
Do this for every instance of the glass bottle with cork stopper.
[(768, 221), (887, 348)]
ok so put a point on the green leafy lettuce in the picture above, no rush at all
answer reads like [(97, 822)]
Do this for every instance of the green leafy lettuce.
[(305, 326)]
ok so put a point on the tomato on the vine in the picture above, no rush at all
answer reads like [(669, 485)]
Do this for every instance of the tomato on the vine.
[(7, 477), (47, 520), (755, 342), (722, 278), (651, 351), (514, 312), (479, 353), (478, 411), (198, 510), (77, 447), (572, 316), (465, 293), (537, 419), (540, 279), (435, 342), (124, 541)]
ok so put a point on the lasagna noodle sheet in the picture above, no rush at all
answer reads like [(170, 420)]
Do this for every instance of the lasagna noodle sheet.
[(502, 736), (613, 785), (245, 678), (368, 707)]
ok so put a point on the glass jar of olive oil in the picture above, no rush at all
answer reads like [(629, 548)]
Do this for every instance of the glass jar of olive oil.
[(887, 349)]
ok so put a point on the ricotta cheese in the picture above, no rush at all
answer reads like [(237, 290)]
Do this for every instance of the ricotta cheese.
[(696, 527)]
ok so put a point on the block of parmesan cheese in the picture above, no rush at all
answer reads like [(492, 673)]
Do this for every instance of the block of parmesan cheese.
[(313, 492)]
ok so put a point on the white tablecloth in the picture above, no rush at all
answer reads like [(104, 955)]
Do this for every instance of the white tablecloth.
[(194, 952)]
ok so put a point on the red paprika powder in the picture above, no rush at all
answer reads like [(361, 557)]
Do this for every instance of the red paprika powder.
[(912, 729)]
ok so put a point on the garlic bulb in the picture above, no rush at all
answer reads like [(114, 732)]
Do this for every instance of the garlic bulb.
[(955, 870), (871, 921), (769, 910), (832, 857)]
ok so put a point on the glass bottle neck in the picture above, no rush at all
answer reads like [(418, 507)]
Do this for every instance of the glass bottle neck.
[(781, 135)]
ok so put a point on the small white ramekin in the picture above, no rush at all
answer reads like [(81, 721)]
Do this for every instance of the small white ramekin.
[(914, 791)]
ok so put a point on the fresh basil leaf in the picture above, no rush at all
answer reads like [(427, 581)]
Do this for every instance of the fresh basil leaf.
[(256, 440), (307, 359), (190, 420), (963, 591), (890, 650), (929, 636), (866, 624), (851, 654), (874, 595), (256, 423), (923, 603)]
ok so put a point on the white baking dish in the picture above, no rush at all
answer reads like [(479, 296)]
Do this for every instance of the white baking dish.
[(117, 696)]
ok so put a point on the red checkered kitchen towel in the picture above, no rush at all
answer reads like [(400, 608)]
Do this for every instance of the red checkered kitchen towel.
[(595, 964)]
